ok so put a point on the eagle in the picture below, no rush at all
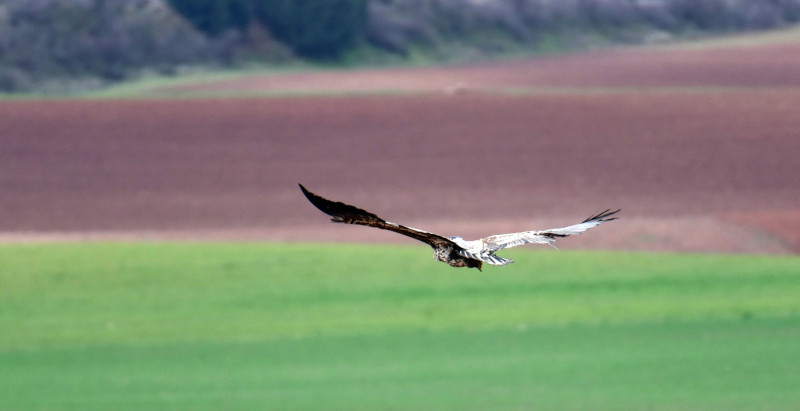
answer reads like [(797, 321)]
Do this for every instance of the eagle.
[(456, 251)]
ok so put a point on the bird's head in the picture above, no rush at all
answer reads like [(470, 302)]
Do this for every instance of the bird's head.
[(475, 264)]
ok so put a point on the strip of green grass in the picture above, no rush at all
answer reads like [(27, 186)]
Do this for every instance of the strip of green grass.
[(254, 326), (74, 294), (700, 365)]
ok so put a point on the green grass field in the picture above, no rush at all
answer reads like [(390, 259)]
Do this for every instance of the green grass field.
[(269, 326)]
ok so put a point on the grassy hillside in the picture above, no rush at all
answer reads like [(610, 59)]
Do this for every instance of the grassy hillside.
[(254, 326)]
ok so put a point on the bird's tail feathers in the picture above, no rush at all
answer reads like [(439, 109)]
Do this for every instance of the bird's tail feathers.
[(495, 260), (489, 258)]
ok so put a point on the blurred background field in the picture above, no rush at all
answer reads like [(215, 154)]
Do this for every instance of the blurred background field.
[(155, 251)]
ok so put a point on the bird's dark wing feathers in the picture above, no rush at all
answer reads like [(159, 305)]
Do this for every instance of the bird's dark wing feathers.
[(602, 216), (345, 213)]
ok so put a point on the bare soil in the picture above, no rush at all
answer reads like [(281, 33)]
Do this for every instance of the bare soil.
[(711, 169)]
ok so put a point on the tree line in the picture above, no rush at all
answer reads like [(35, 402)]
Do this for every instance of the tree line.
[(53, 45), (401, 24)]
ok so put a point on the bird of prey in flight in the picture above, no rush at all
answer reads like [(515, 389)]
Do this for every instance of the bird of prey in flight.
[(455, 250)]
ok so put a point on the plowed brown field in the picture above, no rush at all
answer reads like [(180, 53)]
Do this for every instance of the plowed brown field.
[(700, 169)]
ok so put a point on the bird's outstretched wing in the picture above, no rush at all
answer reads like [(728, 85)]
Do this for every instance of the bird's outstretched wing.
[(344, 213), (501, 241)]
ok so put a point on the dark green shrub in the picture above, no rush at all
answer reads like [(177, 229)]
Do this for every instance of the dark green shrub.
[(314, 28), (215, 16)]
